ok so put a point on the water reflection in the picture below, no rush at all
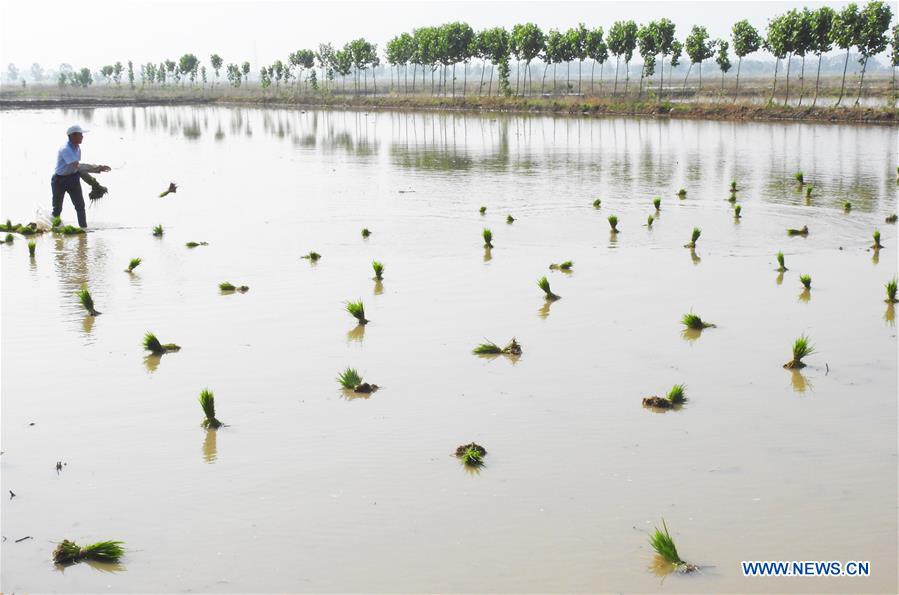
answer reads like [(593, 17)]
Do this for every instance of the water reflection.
[(889, 315), (379, 287), (543, 312), (151, 362), (780, 278), (691, 334), (806, 295), (799, 382), (210, 451), (357, 333), (488, 254), (875, 258), (87, 324), (694, 257)]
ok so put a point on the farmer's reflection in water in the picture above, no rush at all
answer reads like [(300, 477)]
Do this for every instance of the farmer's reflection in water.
[(78, 260)]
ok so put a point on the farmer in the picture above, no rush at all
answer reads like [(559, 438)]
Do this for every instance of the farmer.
[(68, 174)]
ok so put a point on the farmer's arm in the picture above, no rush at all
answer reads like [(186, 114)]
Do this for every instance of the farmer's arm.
[(92, 169)]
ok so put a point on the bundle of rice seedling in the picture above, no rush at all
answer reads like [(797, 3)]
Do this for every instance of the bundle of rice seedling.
[(57, 222), (806, 281), (808, 191), (737, 210), (158, 231), (207, 402), (87, 301), (801, 349), (491, 348), (693, 321), (799, 177), (891, 218), (482, 210), (682, 193), (877, 245), (847, 206), (798, 232), (597, 203), (613, 223), (312, 256), (488, 238), (378, 268), (69, 552), (677, 394), (133, 264), (664, 546), (170, 190), (693, 237), (510, 219), (228, 287), (649, 220), (97, 190), (365, 232), (891, 290), (151, 343), (780, 261), (564, 266), (351, 380), (9, 239), (733, 186), (32, 245), (543, 283), (471, 454), (69, 230), (195, 244), (357, 311), (657, 203)]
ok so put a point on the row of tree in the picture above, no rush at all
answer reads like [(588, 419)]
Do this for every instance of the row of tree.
[(438, 51)]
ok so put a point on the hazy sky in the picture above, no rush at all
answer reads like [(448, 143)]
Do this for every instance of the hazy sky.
[(96, 32)]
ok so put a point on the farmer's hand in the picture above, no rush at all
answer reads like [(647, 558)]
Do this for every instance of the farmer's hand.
[(105, 168)]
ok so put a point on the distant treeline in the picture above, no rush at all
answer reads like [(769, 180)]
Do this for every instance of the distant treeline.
[(426, 60)]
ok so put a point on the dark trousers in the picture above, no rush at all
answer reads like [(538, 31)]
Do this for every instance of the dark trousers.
[(72, 185)]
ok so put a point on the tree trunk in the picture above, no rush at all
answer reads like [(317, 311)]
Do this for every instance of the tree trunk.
[(737, 88), (602, 65), (454, 80), (684, 89), (787, 93), (802, 81), (843, 82), (374, 82), (483, 70), (700, 77), (627, 75), (517, 74), (861, 81), (543, 82), (413, 78), (661, 77), (615, 88), (817, 79), (555, 75), (490, 86), (579, 64), (592, 68), (774, 88), (464, 78), (642, 73)]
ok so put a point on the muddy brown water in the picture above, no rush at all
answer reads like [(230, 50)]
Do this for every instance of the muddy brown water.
[(307, 489)]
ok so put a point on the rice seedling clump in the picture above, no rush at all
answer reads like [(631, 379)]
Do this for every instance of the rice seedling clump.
[(482, 210), (682, 193), (597, 203), (892, 218), (32, 246), (133, 264), (151, 343), (228, 287), (351, 380), (173, 187), (806, 281), (207, 402), (365, 232), (378, 268), (491, 348), (84, 296), (543, 283), (780, 260), (693, 321), (488, 238), (799, 177), (693, 238), (158, 231), (69, 552), (357, 311), (801, 348), (649, 220), (664, 546), (891, 290), (737, 211), (613, 223), (312, 256), (563, 266), (510, 219), (798, 232), (471, 454), (195, 244), (877, 245), (657, 203)]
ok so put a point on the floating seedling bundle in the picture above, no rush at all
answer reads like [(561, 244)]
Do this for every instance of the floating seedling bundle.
[(472, 454), (780, 261), (847, 206), (877, 245), (806, 281), (693, 238), (365, 232), (9, 239), (737, 211), (207, 402), (597, 203), (808, 191), (173, 188), (133, 264), (664, 546), (488, 238), (351, 380), (649, 220), (563, 266), (158, 231), (69, 552), (682, 193), (694, 322), (491, 348), (84, 296), (196, 244), (799, 177), (801, 348), (312, 256), (482, 210), (798, 232), (543, 283), (151, 343), (378, 269), (510, 219), (613, 223), (227, 287), (891, 218), (357, 311), (891, 290), (675, 397), (657, 203)]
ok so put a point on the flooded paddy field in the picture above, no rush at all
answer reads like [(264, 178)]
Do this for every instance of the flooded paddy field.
[(311, 488)]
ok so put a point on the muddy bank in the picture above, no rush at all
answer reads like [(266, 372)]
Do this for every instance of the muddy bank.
[(577, 106)]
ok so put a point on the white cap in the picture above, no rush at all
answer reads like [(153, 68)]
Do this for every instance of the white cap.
[(76, 129)]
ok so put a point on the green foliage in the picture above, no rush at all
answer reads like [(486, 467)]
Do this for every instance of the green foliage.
[(69, 552), (57, 221), (378, 268), (597, 203), (649, 220), (472, 454), (806, 281), (746, 38), (84, 296), (543, 283), (693, 321), (737, 210), (226, 286), (158, 231), (664, 546), (488, 238), (891, 290), (357, 311), (780, 261), (365, 232), (207, 402), (802, 348), (677, 394), (698, 45), (133, 264), (613, 223), (349, 378), (657, 203)]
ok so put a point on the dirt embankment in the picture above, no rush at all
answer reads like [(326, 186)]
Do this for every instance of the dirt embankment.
[(576, 106)]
